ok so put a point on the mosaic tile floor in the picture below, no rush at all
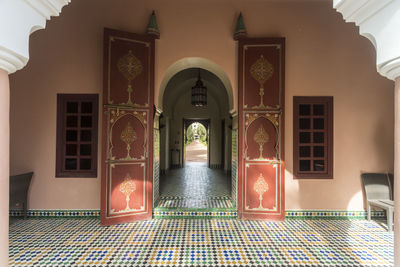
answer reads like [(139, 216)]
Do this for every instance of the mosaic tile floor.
[(195, 181), (222, 202), (83, 242)]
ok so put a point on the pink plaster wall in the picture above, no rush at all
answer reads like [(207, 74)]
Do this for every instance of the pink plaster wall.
[(324, 56)]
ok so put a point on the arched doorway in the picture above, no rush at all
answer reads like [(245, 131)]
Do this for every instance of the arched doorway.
[(204, 177), (196, 141)]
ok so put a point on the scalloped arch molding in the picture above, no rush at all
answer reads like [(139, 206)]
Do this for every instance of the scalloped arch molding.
[(26, 17), (379, 21)]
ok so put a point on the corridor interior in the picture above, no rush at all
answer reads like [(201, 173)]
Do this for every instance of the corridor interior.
[(195, 186), (195, 144)]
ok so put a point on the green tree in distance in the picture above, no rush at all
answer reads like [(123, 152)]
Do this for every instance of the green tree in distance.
[(196, 129), (189, 134), (202, 133)]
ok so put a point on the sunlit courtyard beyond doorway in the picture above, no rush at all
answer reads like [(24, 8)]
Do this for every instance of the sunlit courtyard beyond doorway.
[(196, 143)]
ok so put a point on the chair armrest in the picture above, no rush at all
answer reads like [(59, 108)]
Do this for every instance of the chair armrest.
[(382, 203)]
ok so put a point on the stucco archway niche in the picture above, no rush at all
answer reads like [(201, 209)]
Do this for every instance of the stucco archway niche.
[(196, 62)]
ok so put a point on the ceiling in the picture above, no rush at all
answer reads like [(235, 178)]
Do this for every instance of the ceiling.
[(185, 79)]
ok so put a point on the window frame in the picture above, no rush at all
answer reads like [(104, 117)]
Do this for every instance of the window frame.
[(62, 100), (328, 137)]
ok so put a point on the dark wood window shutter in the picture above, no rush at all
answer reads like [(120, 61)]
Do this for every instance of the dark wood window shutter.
[(313, 137), (77, 119)]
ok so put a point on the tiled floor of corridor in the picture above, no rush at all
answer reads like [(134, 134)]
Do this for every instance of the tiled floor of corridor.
[(83, 242), (196, 152), (195, 186)]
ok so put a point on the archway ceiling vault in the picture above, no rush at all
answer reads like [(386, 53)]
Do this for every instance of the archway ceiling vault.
[(183, 82)]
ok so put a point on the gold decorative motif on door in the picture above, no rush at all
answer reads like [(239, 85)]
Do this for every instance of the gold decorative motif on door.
[(262, 136), (261, 71), (127, 128), (262, 186), (127, 181), (261, 66), (128, 72), (128, 135), (127, 188), (130, 67)]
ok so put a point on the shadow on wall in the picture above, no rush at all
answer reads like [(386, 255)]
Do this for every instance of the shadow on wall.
[(303, 193), (383, 141), (374, 153)]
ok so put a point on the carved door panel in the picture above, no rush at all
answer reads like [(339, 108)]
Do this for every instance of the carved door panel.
[(261, 136), (127, 144)]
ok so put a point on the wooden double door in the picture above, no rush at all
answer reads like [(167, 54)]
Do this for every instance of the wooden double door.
[(130, 137)]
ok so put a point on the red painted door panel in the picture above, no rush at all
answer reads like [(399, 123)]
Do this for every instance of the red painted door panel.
[(127, 165), (261, 169)]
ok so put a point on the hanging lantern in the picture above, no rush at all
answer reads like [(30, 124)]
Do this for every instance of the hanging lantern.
[(199, 93)]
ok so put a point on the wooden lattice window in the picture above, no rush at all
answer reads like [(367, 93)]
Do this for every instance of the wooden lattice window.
[(313, 137), (77, 116)]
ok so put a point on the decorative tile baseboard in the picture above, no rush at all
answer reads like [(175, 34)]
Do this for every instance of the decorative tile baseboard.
[(194, 214), (332, 214), (177, 202), (175, 207), (215, 213), (57, 213)]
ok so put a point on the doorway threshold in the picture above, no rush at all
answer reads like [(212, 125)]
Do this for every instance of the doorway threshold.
[(178, 207)]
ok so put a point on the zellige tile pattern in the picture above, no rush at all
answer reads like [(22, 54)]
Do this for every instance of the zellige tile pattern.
[(222, 202), (195, 181), (83, 242)]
